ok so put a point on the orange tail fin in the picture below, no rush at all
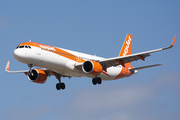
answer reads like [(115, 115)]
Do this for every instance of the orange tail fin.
[(126, 48)]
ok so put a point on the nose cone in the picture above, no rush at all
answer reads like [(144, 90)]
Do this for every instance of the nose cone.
[(19, 55)]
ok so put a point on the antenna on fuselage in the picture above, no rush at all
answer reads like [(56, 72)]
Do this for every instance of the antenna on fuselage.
[(29, 40)]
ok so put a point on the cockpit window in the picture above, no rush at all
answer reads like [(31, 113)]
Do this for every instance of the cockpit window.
[(23, 46)]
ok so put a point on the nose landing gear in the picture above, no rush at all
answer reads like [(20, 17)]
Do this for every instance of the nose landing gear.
[(30, 69)]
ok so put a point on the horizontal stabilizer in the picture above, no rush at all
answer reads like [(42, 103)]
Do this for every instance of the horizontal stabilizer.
[(138, 68)]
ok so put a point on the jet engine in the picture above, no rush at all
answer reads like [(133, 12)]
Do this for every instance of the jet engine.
[(37, 76), (92, 67)]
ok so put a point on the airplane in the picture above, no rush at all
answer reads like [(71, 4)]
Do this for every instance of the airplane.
[(67, 63)]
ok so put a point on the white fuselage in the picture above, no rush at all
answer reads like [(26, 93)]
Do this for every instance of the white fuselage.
[(45, 58)]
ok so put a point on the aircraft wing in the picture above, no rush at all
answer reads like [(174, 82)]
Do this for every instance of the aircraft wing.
[(122, 60), (7, 69), (129, 58), (48, 72), (133, 57), (22, 71)]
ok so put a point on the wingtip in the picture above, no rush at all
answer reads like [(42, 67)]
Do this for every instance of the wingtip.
[(174, 40), (159, 64), (7, 66)]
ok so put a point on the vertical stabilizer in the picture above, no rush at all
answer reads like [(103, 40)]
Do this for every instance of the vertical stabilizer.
[(126, 48)]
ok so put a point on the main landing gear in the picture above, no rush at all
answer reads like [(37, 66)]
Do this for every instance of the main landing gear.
[(96, 80), (60, 85)]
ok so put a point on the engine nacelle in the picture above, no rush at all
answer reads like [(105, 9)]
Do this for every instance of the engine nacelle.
[(92, 67), (37, 76)]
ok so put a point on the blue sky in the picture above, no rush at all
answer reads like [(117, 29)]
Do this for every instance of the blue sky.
[(94, 27)]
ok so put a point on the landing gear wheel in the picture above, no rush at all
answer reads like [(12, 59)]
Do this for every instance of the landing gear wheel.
[(58, 86), (62, 86), (99, 81), (94, 81)]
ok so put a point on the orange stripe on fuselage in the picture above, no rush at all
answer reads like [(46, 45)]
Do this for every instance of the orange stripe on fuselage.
[(54, 50)]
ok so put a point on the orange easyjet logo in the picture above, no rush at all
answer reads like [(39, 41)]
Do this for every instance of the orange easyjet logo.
[(128, 42), (47, 47)]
